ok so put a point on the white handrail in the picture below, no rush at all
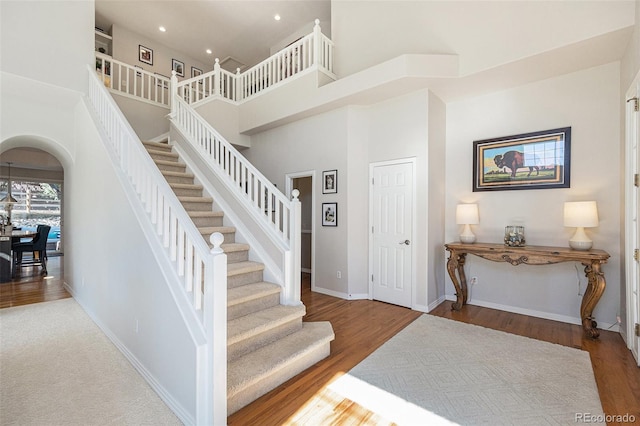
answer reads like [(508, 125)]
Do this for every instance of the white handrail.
[(312, 50), (277, 215), (201, 271), (132, 81)]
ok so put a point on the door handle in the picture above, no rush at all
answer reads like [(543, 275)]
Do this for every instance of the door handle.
[(405, 242)]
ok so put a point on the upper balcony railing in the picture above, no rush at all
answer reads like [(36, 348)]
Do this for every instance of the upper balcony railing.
[(313, 51), (131, 81)]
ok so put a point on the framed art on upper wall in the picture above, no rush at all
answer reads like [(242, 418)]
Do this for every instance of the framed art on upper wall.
[(537, 160), (195, 72), (178, 67), (145, 54), (330, 182)]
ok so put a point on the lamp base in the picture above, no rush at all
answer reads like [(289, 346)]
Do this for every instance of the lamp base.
[(580, 245), (580, 240), (468, 239)]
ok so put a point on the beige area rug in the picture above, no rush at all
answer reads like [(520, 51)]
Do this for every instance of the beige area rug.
[(58, 368), (439, 371)]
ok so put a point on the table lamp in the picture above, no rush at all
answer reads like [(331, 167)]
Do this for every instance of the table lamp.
[(467, 214), (580, 215), (8, 201)]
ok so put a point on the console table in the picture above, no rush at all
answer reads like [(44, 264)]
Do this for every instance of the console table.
[(532, 255)]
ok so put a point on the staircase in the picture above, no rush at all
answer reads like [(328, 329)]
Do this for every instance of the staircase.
[(267, 343)]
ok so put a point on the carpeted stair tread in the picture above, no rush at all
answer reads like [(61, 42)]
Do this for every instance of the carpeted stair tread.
[(169, 163), (243, 268), (175, 186), (177, 174), (248, 292), (205, 214), (195, 199), (156, 144), (268, 360), (259, 322), (164, 153), (234, 247)]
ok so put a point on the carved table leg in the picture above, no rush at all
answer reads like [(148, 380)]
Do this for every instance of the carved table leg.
[(592, 295), (456, 263)]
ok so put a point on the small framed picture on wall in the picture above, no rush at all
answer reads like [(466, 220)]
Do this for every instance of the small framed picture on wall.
[(329, 214), (178, 67), (145, 54), (330, 182)]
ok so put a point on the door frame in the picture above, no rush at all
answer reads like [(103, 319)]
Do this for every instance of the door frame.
[(372, 166), (632, 128), (288, 185)]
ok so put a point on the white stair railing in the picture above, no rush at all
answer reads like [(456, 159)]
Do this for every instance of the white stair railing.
[(131, 81), (202, 272), (313, 51), (278, 216)]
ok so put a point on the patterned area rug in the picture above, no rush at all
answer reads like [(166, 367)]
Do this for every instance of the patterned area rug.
[(441, 371)]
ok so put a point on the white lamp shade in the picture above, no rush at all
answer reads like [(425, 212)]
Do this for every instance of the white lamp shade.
[(581, 214), (467, 214)]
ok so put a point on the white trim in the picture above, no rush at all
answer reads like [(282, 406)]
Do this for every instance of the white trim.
[(137, 98), (533, 313), (358, 296), (168, 399), (631, 129), (436, 303), (306, 270), (288, 187), (372, 166), (333, 293)]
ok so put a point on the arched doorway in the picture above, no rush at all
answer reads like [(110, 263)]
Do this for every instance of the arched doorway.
[(37, 177)]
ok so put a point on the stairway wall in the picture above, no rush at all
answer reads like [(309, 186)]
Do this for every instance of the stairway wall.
[(108, 264)]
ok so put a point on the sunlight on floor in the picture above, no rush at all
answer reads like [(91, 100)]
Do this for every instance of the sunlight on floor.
[(349, 400)]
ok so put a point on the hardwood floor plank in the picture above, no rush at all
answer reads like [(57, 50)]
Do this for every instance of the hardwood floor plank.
[(30, 286)]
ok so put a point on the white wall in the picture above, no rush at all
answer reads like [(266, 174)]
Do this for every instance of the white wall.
[(484, 34), (630, 64), (349, 139), (49, 41), (588, 101), (318, 143), (146, 119), (108, 264), (126, 48)]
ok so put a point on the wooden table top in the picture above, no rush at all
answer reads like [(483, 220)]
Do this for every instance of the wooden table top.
[(560, 253)]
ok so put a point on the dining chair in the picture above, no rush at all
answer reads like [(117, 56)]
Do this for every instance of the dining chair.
[(38, 248)]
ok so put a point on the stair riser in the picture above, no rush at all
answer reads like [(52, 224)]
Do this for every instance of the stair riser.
[(171, 168), (250, 394), (269, 336), (197, 206), (168, 156), (242, 279), (251, 306), (236, 256), (188, 192), (179, 179), (229, 237), (202, 222), (158, 147)]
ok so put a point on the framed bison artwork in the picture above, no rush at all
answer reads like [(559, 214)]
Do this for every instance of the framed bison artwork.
[(535, 160)]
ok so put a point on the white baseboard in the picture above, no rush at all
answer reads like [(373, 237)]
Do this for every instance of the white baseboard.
[(330, 292), (306, 270), (534, 313), (435, 303), (177, 408), (358, 296)]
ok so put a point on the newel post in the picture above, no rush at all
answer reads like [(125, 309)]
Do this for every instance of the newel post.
[(215, 322), (173, 93), (295, 237), (317, 43), (216, 78), (239, 89)]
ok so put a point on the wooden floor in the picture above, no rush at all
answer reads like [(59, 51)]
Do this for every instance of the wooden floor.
[(361, 326), (30, 286)]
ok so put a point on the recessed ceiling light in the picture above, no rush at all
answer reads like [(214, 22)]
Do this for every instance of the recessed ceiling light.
[(277, 17), (209, 52), (162, 29)]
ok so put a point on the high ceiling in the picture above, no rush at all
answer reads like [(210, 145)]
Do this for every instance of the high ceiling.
[(244, 30)]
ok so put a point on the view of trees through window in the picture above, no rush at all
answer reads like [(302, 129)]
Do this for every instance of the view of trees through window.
[(38, 203)]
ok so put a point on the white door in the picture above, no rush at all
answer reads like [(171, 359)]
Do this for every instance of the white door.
[(392, 192), (633, 219)]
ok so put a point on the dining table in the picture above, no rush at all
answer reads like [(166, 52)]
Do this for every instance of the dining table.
[(6, 240)]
